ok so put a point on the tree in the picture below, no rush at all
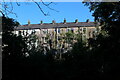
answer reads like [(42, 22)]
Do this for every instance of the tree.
[(11, 43), (106, 49), (69, 37), (13, 47), (7, 6)]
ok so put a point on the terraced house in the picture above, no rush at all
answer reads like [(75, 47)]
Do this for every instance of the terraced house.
[(60, 35)]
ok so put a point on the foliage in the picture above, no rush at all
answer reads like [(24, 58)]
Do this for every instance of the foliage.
[(11, 43), (106, 49), (8, 24), (98, 60), (69, 37), (13, 46), (109, 12), (32, 42)]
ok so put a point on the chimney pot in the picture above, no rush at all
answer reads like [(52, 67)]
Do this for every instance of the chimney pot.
[(28, 22), (87, 20), (53, 21), (64, 20), (41, 22), (76, 21)]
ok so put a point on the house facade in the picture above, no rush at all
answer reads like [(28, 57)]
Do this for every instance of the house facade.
[(54, 34)]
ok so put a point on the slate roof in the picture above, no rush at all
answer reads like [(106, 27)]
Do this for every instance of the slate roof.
[(55, 25)]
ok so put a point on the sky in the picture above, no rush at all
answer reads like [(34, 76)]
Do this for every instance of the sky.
[(62, 0), (68, 10)]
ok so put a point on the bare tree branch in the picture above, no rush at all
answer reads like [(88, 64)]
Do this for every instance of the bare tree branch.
[(11, 6), (40, 8), (7, 8), (47, 5), (17, 3), (2, 13)]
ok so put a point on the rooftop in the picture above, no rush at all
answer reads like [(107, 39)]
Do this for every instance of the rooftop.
[(55, 25)]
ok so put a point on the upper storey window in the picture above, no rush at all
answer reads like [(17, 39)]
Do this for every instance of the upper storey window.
[(72, 30), (58, 30), (84, 30), (68, 29)]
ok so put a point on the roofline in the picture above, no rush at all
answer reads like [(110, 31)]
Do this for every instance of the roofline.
[(56, 25)]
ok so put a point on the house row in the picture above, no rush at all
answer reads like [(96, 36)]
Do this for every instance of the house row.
[(55, 32)]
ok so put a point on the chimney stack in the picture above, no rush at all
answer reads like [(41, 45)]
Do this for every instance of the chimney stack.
[(53, 21), (28, 22), (41, 22), (76, 21), (87, 20), (64, 21)]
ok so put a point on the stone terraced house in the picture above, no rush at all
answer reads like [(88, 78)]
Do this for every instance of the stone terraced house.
[(55, 32)]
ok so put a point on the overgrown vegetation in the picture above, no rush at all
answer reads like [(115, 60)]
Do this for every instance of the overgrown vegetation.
[(99, 60)]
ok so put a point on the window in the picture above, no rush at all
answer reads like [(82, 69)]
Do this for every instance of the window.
[(84, 37), (19, 32), (80, 29), (84, 30), (55, 29), (23, 32), (58, 30), (72, 30), (47, 31), (93, 34), (90, 33), (44, 32), (68, 30), (62, 30), (33, 32)]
